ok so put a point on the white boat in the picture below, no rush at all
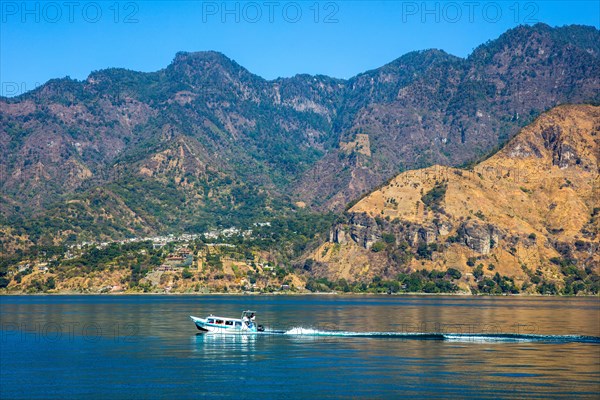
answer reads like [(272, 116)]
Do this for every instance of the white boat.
[(214, 324)]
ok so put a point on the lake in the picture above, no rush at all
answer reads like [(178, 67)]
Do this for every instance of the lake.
[(145, 346)]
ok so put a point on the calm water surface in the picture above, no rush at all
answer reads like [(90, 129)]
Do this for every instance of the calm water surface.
[(146, 347)]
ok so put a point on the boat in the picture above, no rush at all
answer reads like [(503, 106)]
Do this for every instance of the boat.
[(246, 324)]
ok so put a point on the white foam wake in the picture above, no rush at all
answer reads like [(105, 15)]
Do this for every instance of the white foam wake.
[(456, 337), (315, 332)]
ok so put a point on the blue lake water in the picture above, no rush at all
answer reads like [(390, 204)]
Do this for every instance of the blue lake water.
[(334, 347)]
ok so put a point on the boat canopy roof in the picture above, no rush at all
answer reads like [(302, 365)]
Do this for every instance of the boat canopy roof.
[(248, 312)]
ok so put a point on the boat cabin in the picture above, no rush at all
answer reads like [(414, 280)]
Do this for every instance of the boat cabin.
[(227, 323)]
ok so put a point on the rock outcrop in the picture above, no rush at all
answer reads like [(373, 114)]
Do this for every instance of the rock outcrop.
[(364, 230), (479, 237)]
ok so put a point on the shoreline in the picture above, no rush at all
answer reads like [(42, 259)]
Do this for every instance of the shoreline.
[(291, 294)]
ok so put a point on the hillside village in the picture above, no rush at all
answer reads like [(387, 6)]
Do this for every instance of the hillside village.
[(183, 263)]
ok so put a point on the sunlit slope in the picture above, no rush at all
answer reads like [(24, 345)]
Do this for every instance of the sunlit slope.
[(531, 207)]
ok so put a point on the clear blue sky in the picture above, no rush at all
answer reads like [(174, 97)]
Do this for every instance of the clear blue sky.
[(44, 40)]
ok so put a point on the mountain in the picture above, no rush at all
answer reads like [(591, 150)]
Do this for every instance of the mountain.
[(205, 143), (526, 218), (202, 143), (430, 108)]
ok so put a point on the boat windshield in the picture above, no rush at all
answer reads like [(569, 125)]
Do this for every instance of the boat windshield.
[(248, 314)]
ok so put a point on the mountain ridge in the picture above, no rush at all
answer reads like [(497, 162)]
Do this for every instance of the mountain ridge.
[(204, 128)]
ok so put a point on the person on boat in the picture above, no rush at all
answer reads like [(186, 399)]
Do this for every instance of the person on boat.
[(246, 320)]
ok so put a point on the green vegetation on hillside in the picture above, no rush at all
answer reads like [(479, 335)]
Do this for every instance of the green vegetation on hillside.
[(434, 197)]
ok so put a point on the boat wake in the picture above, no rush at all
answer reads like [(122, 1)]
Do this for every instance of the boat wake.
[(453, 337)]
